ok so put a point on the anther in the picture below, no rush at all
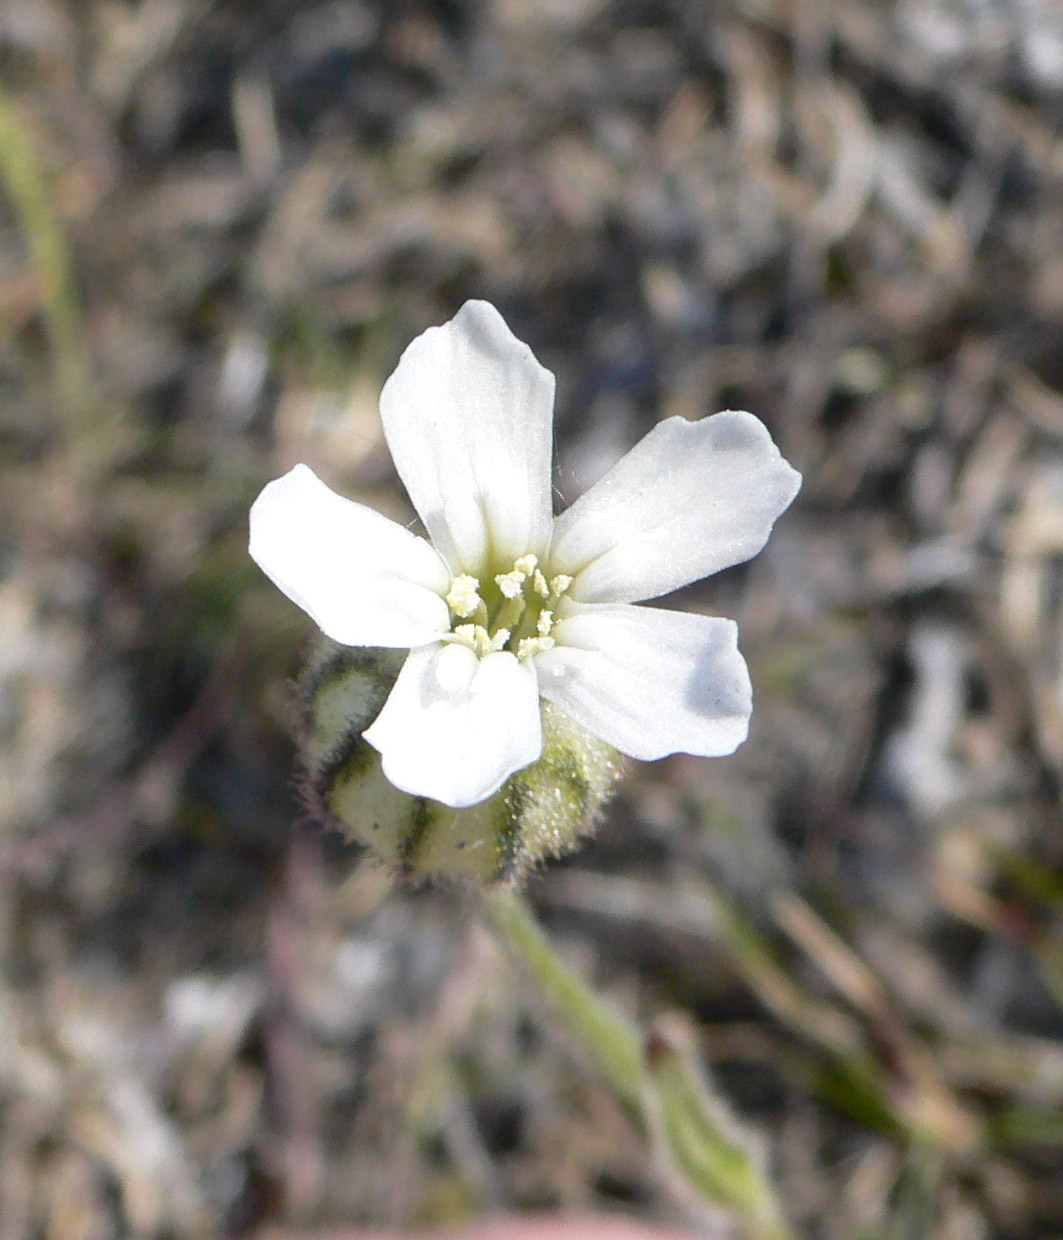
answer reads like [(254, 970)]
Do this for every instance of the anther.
[(512, 583), (463, 597), (528, 646), (497, 642), (466, 633)]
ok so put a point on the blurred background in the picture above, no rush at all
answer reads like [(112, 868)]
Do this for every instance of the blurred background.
[(220, 224)]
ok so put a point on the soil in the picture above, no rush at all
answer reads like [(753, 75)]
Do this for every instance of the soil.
[(220, 224)]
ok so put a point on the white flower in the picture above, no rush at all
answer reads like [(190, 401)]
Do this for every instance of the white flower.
[(507, 602)]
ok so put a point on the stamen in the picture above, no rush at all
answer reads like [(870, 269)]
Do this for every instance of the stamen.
[(509, 614), (528, 646), (463, 597), (477, 639), (465, 633), (498, 642), (511, 584), (520, 611)]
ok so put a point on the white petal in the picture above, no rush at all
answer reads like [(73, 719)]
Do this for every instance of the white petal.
[(456, 727), (364, 580), (689, 499), (650, 682), (468, 418)]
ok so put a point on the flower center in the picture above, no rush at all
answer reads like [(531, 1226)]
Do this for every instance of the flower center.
[(512, 611)]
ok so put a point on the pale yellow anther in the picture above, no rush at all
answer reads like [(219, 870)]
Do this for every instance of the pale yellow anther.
[(544, 623), (539, 583), (466, 633), (498, 642), (560, 583), (529, 646), (526, 564), (463, 597), (512, 583)]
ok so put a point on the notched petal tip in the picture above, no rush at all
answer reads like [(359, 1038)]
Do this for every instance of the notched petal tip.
[(487, 328), (738, 431), (274, 493)]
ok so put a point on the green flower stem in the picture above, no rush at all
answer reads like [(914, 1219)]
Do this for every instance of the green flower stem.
[(707, 1151), (24, 182), (96, 433), (655, 1081), (614, 1044)]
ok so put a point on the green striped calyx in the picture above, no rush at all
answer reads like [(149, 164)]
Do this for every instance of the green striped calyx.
[(540, 812)]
